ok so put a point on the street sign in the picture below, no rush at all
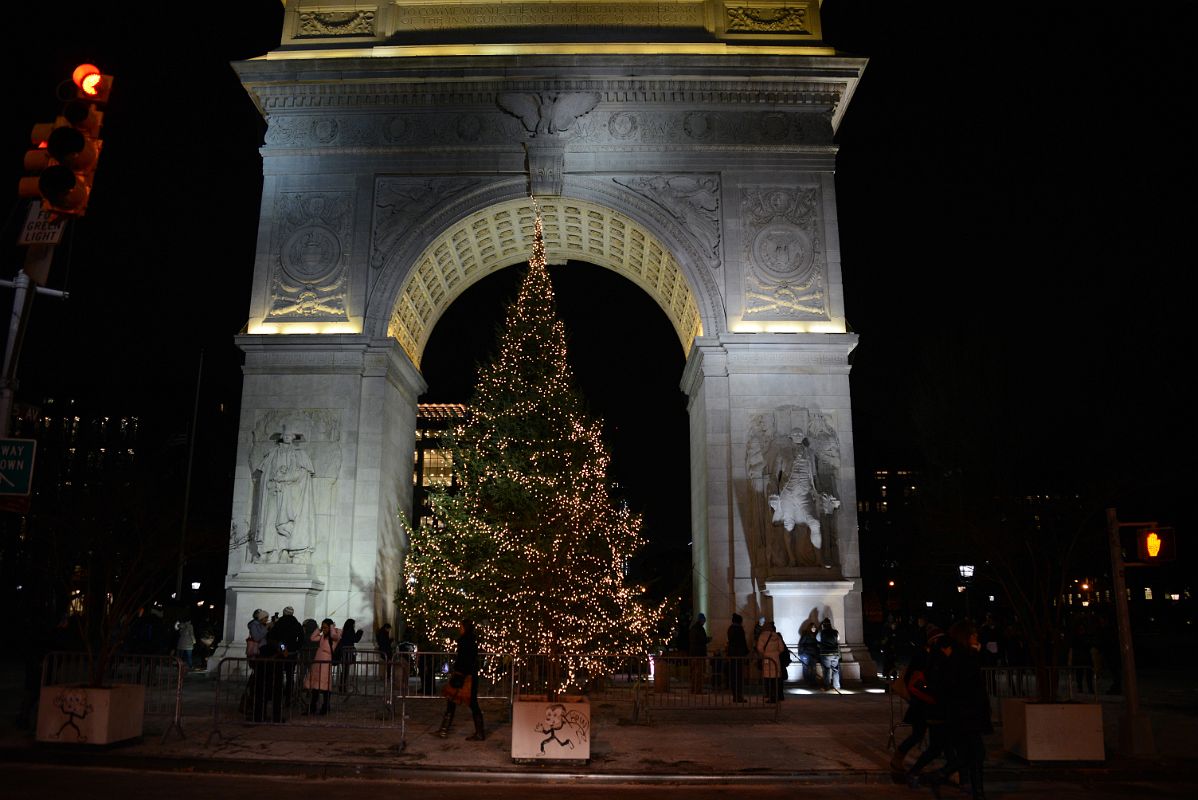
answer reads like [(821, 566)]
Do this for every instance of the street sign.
[(16, 466), (39, 229)]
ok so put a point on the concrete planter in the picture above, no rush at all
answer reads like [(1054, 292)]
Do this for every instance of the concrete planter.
[(1053, 731), (85, 715), (551, 730)]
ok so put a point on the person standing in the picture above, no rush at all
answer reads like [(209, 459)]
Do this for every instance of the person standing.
[(936, 712), (465, 664), (258, 628), (383, 639), (758, 629), (968, 710), (697, 640), (288, 633), (186, 642), (320, 674), (770, 647), (809, 651), (268, 682), (915, 677), (738, 658), (829, 655), (347, 651)]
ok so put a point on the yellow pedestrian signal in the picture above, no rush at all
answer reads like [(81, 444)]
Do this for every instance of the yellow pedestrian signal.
[(1156, 545)]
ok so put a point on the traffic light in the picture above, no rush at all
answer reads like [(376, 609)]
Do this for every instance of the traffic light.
[(1156, 545), (63, 164)]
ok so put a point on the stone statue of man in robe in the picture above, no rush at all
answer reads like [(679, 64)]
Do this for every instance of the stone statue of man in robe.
[(800, 502), (285, 529)]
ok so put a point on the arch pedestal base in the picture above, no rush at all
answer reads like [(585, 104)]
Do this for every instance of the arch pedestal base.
[(797, 601)]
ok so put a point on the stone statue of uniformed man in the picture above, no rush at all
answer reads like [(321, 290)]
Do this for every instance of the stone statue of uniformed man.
[(285, 529)]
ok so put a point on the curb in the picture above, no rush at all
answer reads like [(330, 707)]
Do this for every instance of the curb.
[(1186, 771)]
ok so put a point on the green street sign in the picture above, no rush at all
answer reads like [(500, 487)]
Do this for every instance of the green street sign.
[(16, 465)]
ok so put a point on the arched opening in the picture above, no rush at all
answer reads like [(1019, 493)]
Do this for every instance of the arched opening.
[(501, 235), (629, 376)]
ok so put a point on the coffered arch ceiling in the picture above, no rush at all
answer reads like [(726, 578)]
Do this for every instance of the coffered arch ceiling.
[(501, 235)]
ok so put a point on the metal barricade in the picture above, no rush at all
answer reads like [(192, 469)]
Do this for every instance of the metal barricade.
[(1010, 682), (161, 675), (675, 683), (362, 693), (615, 676)]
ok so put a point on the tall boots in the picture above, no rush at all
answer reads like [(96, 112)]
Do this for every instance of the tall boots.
[(975, 783), (479, 732), (447, 720), (324, 706)]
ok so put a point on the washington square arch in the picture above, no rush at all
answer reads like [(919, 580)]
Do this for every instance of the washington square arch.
[(686, 145)]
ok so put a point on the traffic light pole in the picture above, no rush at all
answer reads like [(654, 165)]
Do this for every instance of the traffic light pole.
[(37, 262), (1135, 730)]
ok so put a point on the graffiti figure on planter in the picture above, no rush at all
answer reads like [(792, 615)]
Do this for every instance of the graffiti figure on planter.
[(74, 705), (557, 719)]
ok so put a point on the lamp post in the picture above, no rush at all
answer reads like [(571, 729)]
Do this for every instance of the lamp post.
[(966, 572)]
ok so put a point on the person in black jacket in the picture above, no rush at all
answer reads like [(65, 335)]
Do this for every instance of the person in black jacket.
[(809, 651), (968, 710), (936, 713), (829, 655), (383, 641), (915, 677), (268, 682), (738, 658), (466, 663), (288, 634), (347, 651)]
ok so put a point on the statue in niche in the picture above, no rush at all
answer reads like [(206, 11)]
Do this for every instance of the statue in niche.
[(800, 502), (284, 512), (792, 455)]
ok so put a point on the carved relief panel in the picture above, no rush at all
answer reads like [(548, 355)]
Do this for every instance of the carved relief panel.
[(309, 278), (786, 271), (288, 443), (401, 203), (692, 202), (792, 470)]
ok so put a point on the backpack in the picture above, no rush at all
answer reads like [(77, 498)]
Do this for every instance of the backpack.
[(784, 656)]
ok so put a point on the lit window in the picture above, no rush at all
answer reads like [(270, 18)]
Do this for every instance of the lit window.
[(1147, 592)]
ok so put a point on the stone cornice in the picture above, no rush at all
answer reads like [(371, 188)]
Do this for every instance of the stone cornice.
[(811, 94), (788, 352), (331, 354)]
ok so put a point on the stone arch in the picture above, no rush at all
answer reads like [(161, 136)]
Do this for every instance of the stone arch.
[(499, 234)]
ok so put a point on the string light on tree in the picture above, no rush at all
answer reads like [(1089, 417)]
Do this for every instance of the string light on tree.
[(531, 542)]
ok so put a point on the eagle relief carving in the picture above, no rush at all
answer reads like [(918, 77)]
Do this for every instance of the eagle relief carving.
[(547, 113)]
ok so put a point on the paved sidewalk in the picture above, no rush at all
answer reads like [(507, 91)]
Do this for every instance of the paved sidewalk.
[(818, 737)]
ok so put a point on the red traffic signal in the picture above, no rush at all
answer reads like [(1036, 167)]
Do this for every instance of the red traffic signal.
[(67, 150), (92, 84), (1156, 545)]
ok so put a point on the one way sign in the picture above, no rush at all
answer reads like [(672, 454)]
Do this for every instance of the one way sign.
[(16, 465)]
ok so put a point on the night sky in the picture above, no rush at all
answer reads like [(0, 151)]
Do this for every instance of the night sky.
[(1015, 188)]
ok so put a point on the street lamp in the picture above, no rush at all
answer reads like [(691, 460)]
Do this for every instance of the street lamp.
[(966, 572)]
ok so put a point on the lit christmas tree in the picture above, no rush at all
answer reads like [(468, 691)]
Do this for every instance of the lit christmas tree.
[(530, 543)]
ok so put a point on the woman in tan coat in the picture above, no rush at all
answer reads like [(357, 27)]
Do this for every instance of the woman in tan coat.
[(769, 647), (320, 673)]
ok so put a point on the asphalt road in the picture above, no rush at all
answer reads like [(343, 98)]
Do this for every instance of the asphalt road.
[(82, 783)]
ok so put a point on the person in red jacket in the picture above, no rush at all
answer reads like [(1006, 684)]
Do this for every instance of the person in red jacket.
[(915, 676), (935, 695)]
